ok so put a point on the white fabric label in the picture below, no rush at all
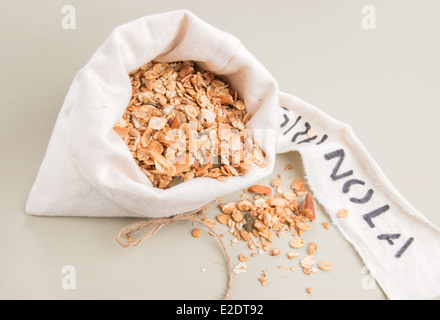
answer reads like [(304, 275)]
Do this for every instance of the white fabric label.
[(396, 242)]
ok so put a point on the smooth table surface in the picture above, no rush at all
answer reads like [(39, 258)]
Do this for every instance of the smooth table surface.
[(384, 82)]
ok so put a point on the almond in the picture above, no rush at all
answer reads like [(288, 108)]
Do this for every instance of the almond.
[(175, 124), (259, 189), (308, 208)]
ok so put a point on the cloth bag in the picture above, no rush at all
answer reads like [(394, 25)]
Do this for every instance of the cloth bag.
[(89, 171)]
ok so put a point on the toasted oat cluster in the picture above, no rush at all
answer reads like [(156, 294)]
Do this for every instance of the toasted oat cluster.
[(183, 122)]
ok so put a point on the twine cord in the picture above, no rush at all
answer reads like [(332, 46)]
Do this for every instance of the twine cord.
[(157, 223)]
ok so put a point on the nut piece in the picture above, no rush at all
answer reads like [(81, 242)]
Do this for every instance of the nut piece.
[(325, 265), (309, 290), (342, 213), (259, 189), (248, 226), (196, 232), (308, 208)]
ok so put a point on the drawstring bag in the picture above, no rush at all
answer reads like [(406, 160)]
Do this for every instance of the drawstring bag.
[(89, 171), (87, 160)]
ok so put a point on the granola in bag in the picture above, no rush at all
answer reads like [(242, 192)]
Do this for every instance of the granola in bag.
[(184, 122)]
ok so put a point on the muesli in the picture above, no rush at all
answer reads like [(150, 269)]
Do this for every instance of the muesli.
[(264, 214), (183, 122)]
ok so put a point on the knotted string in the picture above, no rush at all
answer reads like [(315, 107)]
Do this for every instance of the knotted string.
[(157, 223)]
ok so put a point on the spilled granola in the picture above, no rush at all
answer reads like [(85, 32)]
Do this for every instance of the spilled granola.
[(258, 219), (263, 214), (183, 122)]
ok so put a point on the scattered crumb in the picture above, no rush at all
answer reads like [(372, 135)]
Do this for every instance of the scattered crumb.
[(325, 265), (262, 281), (312, 247), (242, 257), (276, 182), (292, 254), (342, 213), (240, 268), (196, 232)]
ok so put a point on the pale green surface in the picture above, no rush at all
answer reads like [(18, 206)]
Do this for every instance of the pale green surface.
[(383, 82)]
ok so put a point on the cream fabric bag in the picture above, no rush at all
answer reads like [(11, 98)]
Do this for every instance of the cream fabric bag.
[(89, 171)]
